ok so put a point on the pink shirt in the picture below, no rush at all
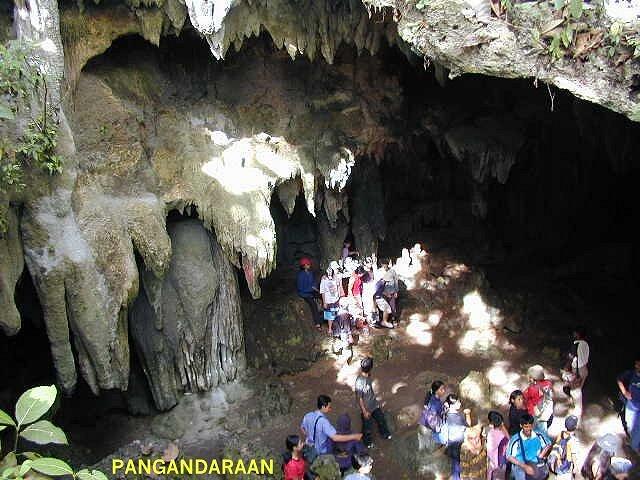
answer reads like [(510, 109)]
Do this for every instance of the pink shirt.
[(494, 437)]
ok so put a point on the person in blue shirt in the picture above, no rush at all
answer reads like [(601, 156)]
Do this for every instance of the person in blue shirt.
[(305, 284), (526, 449), (319, 432), (629, 385)]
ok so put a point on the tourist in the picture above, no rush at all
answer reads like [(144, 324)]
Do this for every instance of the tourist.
[(382, 303), (342, 329), (433, 413), (629, 385), (319, 433), (538, 399), (526, 452), (451, 434), (391, 287), (362, 464), (294, 466), (368, 404), (562, 459), (307, 291), (354, 291), (368, 291), (497, 440), (473, 455), (331, 291), (576, 373), (343, 451), (347, 250), (516, 410), (597, 464)]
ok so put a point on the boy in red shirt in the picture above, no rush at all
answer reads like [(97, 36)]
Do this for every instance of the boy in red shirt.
[(295, 466)]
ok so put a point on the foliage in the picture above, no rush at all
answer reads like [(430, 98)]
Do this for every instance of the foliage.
[(24, 92), (28, 424), (422, 4)]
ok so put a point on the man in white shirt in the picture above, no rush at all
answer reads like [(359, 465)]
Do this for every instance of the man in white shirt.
[(579, 370)]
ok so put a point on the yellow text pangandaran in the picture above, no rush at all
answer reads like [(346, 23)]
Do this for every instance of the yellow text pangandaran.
[(191, 466)]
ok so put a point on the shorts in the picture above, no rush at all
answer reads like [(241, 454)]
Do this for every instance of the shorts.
[(383, 305)]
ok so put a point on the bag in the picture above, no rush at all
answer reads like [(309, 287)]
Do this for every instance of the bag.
[(541, 471), (557, 460), (431, 419)]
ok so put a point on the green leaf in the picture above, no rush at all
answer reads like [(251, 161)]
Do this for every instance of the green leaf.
[(51, 466), (25, 467), (9, 460), (575, 9), (558, 4), (7, 472), (85, 474), (44, 432), (5, 419), (34, 403)]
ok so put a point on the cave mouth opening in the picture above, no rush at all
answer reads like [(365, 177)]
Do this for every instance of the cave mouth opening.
[(480, 166)]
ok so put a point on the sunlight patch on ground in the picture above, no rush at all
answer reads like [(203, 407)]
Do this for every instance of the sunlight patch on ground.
[(503, 381), (347, 373), (418, 330), (480, 335)]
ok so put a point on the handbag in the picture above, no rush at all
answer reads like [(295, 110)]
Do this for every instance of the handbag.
[(540, 469)]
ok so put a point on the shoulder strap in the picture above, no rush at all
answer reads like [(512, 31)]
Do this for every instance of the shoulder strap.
[(524, 455), (314, 429)]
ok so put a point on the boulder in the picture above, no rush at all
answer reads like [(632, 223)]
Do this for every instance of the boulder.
[(417, 451), (475, 391)]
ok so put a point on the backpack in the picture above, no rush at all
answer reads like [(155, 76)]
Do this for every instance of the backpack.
[(545, 406), (431, 419), (557, 460)]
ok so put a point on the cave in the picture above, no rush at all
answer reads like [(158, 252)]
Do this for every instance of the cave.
[(198, 183)]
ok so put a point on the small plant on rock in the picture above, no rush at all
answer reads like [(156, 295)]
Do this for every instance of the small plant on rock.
[(28, 424)]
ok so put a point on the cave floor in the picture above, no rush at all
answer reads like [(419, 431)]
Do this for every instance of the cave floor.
[(447, 329)]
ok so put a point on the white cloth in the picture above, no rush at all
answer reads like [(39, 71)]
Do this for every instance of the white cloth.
[(330, 289), (582, 359)]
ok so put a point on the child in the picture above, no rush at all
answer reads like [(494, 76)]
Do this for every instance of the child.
[(562, 459), (452, 432), (294, 466), (473, 455), (342, 328), (362, 465), (344, 450), (497, 440)]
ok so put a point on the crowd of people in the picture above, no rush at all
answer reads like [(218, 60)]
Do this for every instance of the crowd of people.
[(523, 449), (356, 295), (353, 295), (320, 437)]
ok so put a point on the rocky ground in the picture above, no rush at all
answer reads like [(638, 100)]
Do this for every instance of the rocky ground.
[(449, 330)]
